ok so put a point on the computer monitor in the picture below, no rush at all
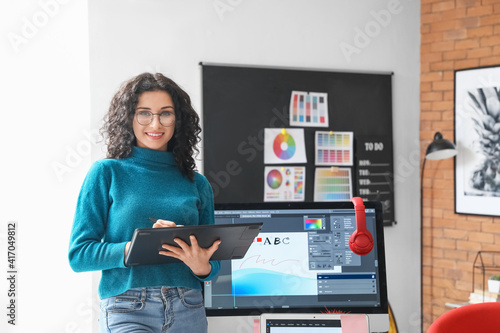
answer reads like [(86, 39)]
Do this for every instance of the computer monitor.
[(301, 262)]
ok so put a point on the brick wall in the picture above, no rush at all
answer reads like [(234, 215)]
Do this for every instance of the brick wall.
[(454, 35)]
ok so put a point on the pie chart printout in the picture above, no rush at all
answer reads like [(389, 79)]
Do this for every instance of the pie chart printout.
[(284, 146)]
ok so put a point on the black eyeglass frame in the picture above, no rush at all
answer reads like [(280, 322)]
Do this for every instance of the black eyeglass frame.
[(152, 116)]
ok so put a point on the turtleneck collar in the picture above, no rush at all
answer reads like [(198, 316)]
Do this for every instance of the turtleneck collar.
[(153, 156)]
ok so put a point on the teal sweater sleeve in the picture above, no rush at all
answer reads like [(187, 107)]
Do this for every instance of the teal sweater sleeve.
[(87, 251)]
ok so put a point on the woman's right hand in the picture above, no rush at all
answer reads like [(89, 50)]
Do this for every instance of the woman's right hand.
[(165, 224), (158, 224)]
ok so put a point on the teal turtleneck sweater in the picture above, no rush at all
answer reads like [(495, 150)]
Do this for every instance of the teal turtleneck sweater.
[(118, 196)]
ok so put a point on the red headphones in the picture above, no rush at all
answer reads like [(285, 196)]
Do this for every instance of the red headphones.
[(361, 240)]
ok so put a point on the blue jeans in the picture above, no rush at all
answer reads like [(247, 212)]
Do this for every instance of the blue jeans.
[(154, 310)]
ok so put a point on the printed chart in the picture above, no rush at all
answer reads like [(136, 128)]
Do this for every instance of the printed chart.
[(334, 148), (309, 109), (284, 146), (284, 183), (332, 184)]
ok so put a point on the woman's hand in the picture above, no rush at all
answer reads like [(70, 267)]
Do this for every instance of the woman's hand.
[(158, 224), (127, 246), (165, 224), (194, 256)]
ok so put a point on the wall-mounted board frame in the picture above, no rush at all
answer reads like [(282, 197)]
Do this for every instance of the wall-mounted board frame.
[(241, 102)]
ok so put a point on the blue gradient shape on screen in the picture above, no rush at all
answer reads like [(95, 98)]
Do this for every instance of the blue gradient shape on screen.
[(248, 282)]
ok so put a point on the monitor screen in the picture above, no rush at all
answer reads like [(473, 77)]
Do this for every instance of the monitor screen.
[(303, 326), (300, 262), (303, 323)]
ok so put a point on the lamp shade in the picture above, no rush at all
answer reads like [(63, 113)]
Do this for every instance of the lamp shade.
[(440, 148)]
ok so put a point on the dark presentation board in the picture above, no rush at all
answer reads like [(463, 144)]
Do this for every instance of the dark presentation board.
[(240, 102)]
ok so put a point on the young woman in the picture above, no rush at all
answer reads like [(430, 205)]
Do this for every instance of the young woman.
[(151, 132)]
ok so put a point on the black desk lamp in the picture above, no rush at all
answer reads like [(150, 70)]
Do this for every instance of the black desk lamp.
[(439, 149)]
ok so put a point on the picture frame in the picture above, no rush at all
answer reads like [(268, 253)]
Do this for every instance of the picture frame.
[(477, 137)]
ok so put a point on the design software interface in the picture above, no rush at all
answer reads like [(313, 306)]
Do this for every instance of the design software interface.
[(301, 259)]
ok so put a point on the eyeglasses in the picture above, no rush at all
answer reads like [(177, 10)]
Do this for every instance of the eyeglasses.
[(144, 118)]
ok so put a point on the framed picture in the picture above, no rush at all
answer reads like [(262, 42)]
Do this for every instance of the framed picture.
[(477, 137)]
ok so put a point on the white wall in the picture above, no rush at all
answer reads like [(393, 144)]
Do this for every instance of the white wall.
[(44, 89), (47, 90)]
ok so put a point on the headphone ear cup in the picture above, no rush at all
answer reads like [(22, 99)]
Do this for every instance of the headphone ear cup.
[(361, 243), (361, 240)]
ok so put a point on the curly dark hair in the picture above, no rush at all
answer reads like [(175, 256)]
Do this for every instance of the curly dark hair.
[(118, 132)]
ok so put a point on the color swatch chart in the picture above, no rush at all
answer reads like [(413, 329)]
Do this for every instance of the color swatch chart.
[(334, 148), (284, 183), (309, 109), (332, 184)]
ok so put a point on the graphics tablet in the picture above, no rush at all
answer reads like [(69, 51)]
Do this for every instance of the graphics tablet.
[(235, 241)]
